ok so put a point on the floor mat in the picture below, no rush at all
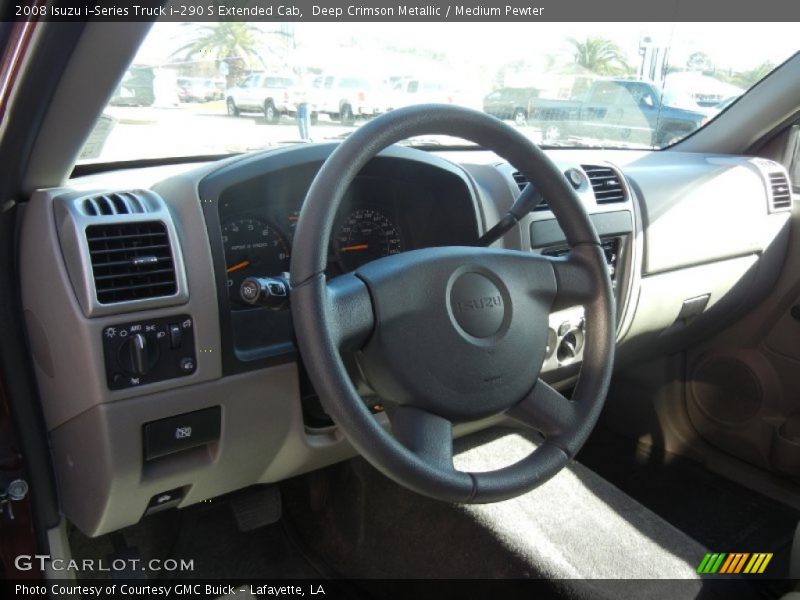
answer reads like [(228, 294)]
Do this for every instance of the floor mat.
[(717, 512), (207, 535)]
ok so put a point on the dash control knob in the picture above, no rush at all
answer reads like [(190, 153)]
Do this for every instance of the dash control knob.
[(272, 292), (150, 350), (575, 178), (570, 347), (137, 354)]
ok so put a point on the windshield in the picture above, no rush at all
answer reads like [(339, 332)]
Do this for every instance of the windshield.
[(218, 88)]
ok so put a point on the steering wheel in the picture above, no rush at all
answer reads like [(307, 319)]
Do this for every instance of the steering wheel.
[(451, 334)]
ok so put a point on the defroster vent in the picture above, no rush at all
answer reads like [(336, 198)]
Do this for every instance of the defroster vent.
[(131, 261), (115, 203)]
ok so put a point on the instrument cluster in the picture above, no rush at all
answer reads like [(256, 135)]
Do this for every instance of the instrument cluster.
[(257, 238)]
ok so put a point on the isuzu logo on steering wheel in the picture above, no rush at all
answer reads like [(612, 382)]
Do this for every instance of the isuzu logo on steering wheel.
[(476, 304), (479, 303)]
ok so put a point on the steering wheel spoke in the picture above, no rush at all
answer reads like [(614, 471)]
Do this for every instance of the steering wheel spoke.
[(350, 311), (577, 276), (546, 410), (427, 435)]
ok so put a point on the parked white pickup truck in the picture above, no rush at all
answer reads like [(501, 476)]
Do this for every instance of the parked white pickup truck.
[(262, 93)]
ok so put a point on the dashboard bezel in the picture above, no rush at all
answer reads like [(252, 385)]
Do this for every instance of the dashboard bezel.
[(211, 189)]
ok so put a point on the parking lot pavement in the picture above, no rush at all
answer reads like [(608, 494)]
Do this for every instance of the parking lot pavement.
[(206, 129), (198, 129)]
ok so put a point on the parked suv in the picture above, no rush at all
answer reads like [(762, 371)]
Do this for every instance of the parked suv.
[(343, 98), (262, 93)]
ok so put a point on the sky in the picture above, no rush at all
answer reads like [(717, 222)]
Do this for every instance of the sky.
[(738, 46)]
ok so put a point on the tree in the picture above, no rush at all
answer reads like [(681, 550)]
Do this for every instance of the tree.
[(600, 56), (699, 61), (748, 79), (235, 43)]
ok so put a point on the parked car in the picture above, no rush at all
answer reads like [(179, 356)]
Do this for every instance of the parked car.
[(714, 110), (410, 91), (636, 112), (199, 89), (262, 93), (344, 98), (525, 106), (511, 103), (218, 89), (136, 88)]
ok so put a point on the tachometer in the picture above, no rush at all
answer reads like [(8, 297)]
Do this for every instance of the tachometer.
[(365, 235), (252, 247)]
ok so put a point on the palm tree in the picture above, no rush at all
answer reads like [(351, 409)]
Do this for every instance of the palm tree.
[(599, 55), (235, 43)]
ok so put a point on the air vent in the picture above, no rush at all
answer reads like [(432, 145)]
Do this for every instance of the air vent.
[(131, 261), (606, 184), (521, 182), (780, 191), (115, 203)]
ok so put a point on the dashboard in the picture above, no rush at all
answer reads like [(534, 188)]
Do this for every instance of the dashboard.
[(397, 203), (162, 387)]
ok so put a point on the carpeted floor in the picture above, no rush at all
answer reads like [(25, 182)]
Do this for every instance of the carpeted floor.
[(720, 514), (575, 526), (208, 535)]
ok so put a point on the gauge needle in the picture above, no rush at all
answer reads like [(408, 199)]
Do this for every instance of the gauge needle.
[(237, 266), (354, 248)]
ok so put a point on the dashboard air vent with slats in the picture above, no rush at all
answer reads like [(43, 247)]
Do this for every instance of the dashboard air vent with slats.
[(131, 261), (115, 203), (606, 184), (521, 182), (780, 197)]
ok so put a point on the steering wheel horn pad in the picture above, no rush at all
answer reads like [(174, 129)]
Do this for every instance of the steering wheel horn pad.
[(429, 305), (451, 334), (479, 305)]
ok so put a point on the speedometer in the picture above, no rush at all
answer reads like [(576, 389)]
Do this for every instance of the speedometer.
[(365, 235), (252, 247)]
